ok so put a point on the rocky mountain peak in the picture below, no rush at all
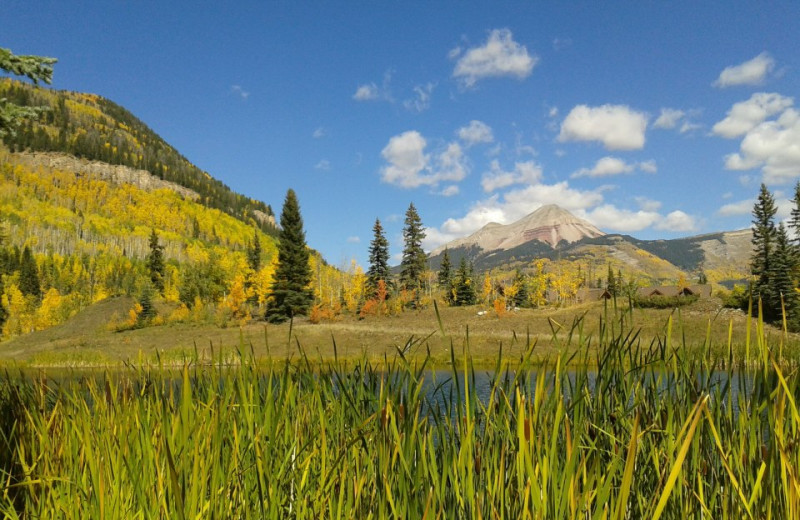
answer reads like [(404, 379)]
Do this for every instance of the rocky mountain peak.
[(549, 224)]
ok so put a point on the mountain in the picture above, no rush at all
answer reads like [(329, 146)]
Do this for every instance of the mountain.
[(549, 224), (555, 234), (95, 129)]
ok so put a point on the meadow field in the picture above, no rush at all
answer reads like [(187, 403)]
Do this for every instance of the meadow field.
[(618, 424), (87, 340)]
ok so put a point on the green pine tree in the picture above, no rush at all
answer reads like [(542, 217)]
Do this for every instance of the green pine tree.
[(764, 238), (445, 278), (782, 297), (155, 263), (378, 260), (35, 68), (146, 302), (29, 283), (794, 220), (254, 253), (611, 281), (464, 285), (521, 298), (412, 266), (290, 295)]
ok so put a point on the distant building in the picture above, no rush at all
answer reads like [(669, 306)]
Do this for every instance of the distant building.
[(702, 291), (586, 294)]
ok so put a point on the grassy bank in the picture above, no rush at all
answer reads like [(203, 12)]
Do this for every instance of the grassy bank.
[(645, 434)]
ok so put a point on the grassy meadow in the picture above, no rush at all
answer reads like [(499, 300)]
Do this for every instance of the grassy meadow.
[(87, 340), (618, 425)]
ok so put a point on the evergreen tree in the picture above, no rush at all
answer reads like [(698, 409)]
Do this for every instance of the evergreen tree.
[(378, 260), (290, 295), (521, 297), (445, 277), (254, 253), (29, 283), (782, 296), (412, 267), (146, 302), (465, 288), (764, 238), (794, 220), (35, 68), (155, 262), (611, 281)]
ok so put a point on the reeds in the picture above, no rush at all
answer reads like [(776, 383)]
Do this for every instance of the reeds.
[(638, 430)]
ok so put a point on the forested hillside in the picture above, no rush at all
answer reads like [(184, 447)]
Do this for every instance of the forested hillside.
[(71, 239), (92, 127)]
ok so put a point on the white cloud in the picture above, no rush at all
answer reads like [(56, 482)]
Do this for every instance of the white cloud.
[(527, 172), (669, 118), (608, 166), (618, 127), (743, 207), (410, 167), (368, 92), (610, 217), (746, 115), (353, 240), (422, 99), (648, 166), (752, 72), (239, 91), (647, 204), (324, 165), (677, 221), (499, 56), (688, 126), (605, 167), (475, 132), (772, 145), (449, 191), (319, 133)]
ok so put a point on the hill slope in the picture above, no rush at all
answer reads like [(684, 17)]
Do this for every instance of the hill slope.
[(91, 127)]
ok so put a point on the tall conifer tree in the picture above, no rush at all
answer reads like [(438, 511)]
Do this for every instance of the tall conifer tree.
[(764, 238), (290, 295), (378, 259), (445, 277), (412, 267), (781, 296), (254, 253), (29, 275), (464, 286), (155, 262)]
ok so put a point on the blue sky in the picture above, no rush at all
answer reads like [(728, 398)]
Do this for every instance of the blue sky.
[(653, 119)]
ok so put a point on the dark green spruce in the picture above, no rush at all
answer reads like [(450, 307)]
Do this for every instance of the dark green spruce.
[(445, 278), (378, 260), (155, 263), (764, 238), (29, 283), (412, 266), (290, 295), (464, 284)]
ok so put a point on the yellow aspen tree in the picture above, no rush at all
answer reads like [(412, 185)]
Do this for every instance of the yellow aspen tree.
[(237, 297), (49, 312), (19, 320)]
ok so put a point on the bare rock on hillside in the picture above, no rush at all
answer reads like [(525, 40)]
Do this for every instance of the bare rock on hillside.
[(116, 174)]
